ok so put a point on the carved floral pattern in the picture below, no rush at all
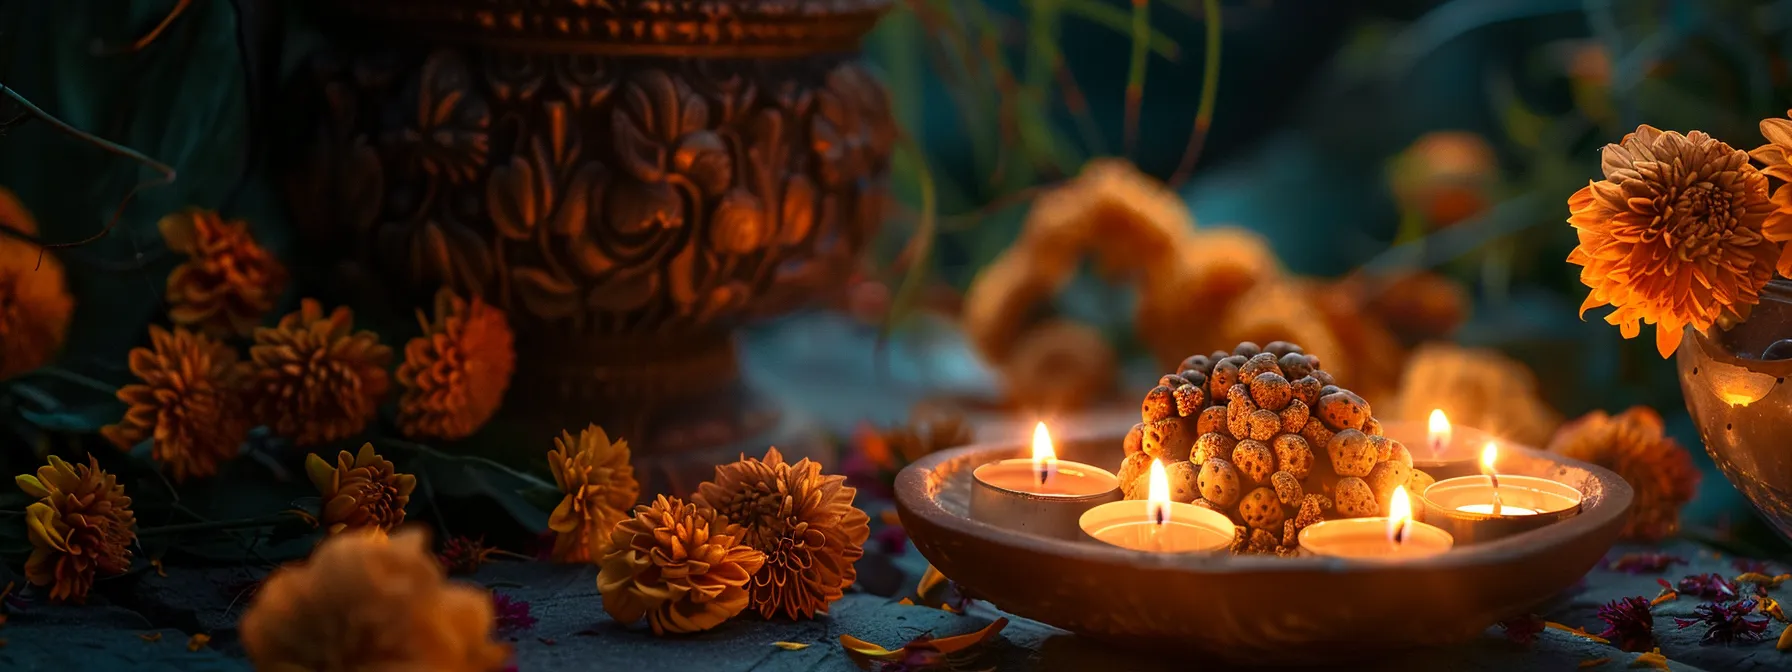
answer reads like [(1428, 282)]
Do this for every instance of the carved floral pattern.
[(624, 197)]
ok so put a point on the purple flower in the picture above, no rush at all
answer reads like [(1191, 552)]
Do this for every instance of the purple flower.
[(1645, 563), (1726, 622), (513, 614), (1747, 566), (1629, 624), (1523, 629), (1707, 586)]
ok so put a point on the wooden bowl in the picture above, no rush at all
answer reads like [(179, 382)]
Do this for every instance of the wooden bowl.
[(1253, 610)]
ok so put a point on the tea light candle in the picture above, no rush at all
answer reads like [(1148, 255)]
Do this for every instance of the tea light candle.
[(1158, 525), (1477, 509), (1438, 448), (1395, 537), (1041, 494)]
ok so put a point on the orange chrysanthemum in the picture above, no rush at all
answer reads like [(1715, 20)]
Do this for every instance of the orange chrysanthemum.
[(455, 374), (1674, 235), (803, 521), (189, 404), (1633, 445), (677, 564), (366, 602), (1445, 176), (34, 301), (1475, 387), (363, 491), (315, 379), (1777, 164), (228, 283), (80, 527), (600, 488)]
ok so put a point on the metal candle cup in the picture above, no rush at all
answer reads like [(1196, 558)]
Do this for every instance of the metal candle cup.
[(1444, 452), (1390, 538), (1158, 525), (1040, 495), (1462, 506)]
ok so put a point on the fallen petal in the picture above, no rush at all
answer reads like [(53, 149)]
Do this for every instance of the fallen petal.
[(790, 646)]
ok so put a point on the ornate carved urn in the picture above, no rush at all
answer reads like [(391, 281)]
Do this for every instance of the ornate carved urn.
[(630, 179)]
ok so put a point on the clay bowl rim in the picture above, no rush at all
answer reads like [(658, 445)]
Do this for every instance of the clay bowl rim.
[(913, 499)]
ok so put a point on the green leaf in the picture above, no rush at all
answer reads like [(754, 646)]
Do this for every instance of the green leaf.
[(83, 420), (464, 477)]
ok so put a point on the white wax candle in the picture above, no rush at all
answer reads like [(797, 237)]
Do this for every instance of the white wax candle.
[(1505, 510)]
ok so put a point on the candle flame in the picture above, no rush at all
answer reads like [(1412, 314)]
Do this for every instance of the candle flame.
[(1045, 460), (1157, 507), (1489, 454), (1440, 430), (1399, 516)]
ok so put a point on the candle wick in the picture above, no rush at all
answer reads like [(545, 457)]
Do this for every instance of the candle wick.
[(1401, 527), (1496, 501)]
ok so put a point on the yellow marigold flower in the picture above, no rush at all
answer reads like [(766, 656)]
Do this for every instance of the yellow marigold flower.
[(228, 281), (80, 527), (1674, 235), (455, 374), (802, 520), (600, 488), (1475, 387), (315, 379), (366, 602), (678, 565), (34, 301), (189, 404), (1633, 445), (362, 491)]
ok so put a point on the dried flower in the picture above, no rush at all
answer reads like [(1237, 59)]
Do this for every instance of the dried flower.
[(455, 374), (364, 600), (1707, 586), (886, 452), (803, 521), (512, 614), (679, 565), (315, 379), (198, 641), (1762, 582), (1214, 270), (1583, 634), (189, 403), (80, 527), (1645, 563), (1673, 236), (463, 555), (1785, 642), (1628, 623), (922, 652), (1746, 566), (35, 305), (1130, 222), (1594, 662), (1524, 629), (1772, 609), (599, 484), (1653, 660), (1726, 622), (228, 281), (1445, 176), (1633, 445), (1477, 388), (363, 491)]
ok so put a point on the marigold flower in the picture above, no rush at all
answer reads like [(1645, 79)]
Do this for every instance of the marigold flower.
[(677, 564), (1633, 445), (600, 487), (35, 305), (228, 283), (315, 379), (363, 491), (1674, 235), (366, 601), (1477, 388), (803, 521), (1445, 176), (455, 374), (80, 527), (189, 404), (1777, 164)]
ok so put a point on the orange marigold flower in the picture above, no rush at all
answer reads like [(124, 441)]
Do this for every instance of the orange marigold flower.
[(315, 379), (455, 374), (679, 565), (80, 527), (1632, 444), (363, 491), (1776, 163), (1445, 176), (189, 403), (366, 601), (1673, 236), (600, 487), (228, 281), (34, 301), (802, 520)]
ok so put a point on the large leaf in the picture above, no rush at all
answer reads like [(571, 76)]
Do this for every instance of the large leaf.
[(459, 477)]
